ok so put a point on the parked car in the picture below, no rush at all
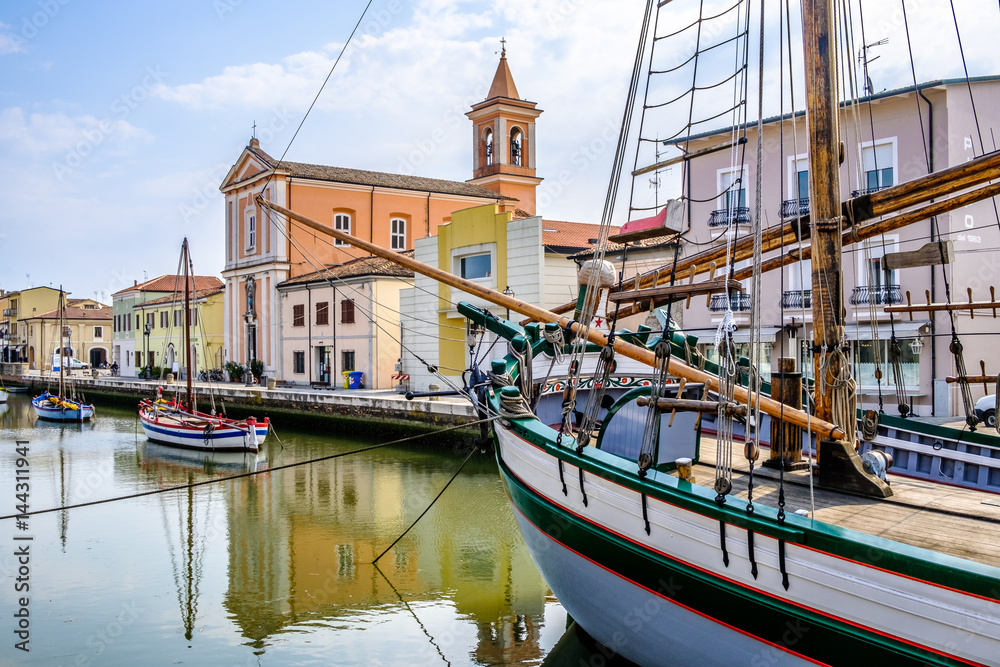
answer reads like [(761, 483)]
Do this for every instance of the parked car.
[(986, 410), (72, 363)]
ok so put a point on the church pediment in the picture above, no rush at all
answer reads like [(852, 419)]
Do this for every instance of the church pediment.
[(248, 167)]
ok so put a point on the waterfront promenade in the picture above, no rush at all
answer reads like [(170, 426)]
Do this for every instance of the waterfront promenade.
[(290, 404)]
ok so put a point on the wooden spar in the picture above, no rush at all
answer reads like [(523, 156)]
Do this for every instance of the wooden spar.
[(636, 352), (822, 120), (689, 156), (675, 291), (851, 236), (62, 328), (972, 379), (929, 307), (186, 258), (860, 209)]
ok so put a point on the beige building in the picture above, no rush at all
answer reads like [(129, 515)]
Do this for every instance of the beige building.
[(889, 138), (17, 306), (86, 334), (344, 318)]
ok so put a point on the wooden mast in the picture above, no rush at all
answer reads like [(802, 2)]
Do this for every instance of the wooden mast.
[(187, 322), (641, 354), (62, 325), (824, 184)]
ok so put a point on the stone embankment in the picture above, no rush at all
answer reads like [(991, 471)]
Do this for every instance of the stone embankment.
[(350, 411)]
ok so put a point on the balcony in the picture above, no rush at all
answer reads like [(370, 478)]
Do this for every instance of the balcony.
[(868, 191), (721, 218), (797, 299), (738, 302), (879, 295), (793, 208)]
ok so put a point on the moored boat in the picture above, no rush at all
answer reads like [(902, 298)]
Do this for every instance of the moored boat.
[(170, 423), (55, 408)]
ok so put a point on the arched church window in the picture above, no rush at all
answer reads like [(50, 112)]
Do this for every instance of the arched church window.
[(515, 147), (488, 141)]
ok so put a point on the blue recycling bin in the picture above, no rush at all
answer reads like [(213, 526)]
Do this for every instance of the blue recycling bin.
[(354, 379)]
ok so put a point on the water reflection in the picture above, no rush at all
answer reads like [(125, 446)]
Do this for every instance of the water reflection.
[(275, 568), (325, 523)]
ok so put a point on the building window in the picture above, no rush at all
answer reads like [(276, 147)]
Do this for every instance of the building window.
[(194, 317), (251, 238), (516, 147), (347, 360), (138, 324), (864, 362), (177, 318), (151, 320), (397, 234), (138, 359), (298, 315), (98, 333), (473, 267), (299, 362), (164, 319), (347, 311), (342, 223), (323, 312), (878, 162)]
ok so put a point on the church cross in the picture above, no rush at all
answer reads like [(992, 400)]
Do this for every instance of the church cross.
[(503, 46)]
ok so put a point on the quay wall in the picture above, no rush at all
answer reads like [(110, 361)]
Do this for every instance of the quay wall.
[(380, 414)]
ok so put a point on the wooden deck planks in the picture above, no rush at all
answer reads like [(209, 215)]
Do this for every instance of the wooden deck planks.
[(925, 514)]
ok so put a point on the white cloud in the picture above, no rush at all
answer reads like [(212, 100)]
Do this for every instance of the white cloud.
[(41, 134), (10, 42)]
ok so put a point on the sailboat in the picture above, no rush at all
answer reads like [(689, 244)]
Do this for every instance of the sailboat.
[(669, 550), (59, 407), (172, 422)]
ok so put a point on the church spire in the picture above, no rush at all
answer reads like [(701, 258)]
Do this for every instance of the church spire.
[(503, 157), (503, 82)]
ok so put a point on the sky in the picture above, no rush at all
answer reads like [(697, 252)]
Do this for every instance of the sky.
[(119, 120)]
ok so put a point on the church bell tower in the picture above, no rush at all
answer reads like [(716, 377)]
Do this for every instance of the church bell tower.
[(503, 158)]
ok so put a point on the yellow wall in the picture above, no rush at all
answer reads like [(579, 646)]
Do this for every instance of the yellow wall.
[(207, 336), (469, 227)]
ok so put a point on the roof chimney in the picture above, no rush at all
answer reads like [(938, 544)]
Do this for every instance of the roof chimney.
[(135, 283)]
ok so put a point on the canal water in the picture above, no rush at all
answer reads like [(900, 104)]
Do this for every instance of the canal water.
[(273, 569)]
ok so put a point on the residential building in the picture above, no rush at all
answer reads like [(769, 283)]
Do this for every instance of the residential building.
[(888, 138), (19, 305), (528, 257), (343, 318), (86, 334), (162, 327), (128, 324), (391, 210)]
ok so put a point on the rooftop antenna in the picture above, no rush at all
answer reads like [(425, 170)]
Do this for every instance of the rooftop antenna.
[(655, 181), (255, 129), (865, 60)]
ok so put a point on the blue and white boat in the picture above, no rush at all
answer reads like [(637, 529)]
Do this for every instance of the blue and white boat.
[(59, 409)]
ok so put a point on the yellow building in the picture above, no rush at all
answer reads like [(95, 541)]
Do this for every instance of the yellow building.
[(162, 330), (17, 306), (86, 333), (525, 256)]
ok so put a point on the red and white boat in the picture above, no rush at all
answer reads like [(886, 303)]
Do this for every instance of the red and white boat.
[(171, 423)]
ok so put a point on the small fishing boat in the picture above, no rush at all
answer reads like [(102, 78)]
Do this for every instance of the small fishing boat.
[(56, 408), (172, 423), (181, 425), (3, 396), (60, 407)]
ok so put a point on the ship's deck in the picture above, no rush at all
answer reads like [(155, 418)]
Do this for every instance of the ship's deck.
[(949, 519)]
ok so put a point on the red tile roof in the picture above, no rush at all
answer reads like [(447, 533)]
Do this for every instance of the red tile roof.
[(363, 266), (76, 313), (178, 297), (169, 283)]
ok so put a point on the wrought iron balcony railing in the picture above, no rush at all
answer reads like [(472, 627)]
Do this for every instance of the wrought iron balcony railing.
[(738, 302), (791, 208), (868, 191), (721, 218), (880, 295), (799, 298)]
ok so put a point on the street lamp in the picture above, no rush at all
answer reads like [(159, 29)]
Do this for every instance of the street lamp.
[(509, 292), (145, 344)]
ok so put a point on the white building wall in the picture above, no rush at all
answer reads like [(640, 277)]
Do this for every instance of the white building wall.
[(419, 313)]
